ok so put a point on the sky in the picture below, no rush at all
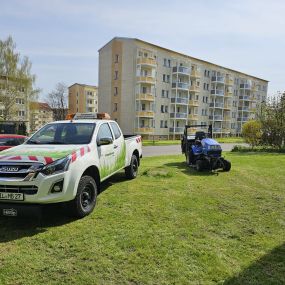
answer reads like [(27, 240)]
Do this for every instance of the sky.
[(62, 37)]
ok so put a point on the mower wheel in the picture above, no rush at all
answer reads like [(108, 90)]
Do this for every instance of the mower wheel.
[(227, 165), (200, 165)]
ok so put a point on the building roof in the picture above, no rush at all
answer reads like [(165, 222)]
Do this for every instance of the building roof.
[(181, 54), (40, 105), (83, 85)]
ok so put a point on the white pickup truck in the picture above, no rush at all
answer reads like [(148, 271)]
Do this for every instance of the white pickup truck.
[(66, 161)]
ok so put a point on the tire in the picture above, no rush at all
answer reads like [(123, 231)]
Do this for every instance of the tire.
[(227, 165), (200, 165), (85, 200), (131, 171)]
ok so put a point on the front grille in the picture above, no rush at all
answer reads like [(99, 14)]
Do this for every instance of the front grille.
[(27, 190), (18, 171)]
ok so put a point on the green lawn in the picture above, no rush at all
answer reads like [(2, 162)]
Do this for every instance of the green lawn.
[(173, 142), (171, 225)]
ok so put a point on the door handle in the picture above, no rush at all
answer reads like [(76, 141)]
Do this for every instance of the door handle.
[(115, 146)]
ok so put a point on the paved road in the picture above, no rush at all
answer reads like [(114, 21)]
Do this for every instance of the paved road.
[(176, 149)]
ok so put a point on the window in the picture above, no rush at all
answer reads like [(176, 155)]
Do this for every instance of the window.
[(21, 113), (164, 61), (204, 87), (115, 107), (115, 91), (116, 130), (166, 109), (169, 63), (143, 107), (167, 93), (116, 58), (162, 93), (162, 109), (164, 77), (168, 78), (165, 124), (161, 124), (144, 90), (205, 72), (104, 132), (116, 75)]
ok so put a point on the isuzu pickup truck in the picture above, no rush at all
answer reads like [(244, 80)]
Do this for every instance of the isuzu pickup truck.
[(66, 162)]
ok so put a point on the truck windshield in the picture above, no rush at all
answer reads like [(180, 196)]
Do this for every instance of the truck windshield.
[(63, 133)]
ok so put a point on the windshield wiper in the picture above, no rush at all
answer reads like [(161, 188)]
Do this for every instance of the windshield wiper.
[(55, 142), (32, 142)]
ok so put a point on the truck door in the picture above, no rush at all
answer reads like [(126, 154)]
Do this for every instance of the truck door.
[(106, 152), (119, 146)]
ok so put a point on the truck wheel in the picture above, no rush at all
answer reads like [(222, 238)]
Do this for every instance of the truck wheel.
[(131, 171), (85, 199), (199, 165), (227, 165)]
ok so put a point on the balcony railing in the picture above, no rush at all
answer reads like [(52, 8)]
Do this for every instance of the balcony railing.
[(145, 113), (145, 96), (176, 130), (217, 105), (218, 79), (229, 81), (195, 73), (243, 108), (178, 115), (194, 103), (181, 69), (147, 61), (218, 92), (180, 85), (146, 79), (193, 117), (242, 119), (217, 130), (144, 130), (194, 88), (216, 117), (182, 101), (227, 106)]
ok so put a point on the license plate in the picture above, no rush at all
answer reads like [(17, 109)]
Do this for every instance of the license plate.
[(12, 196), (10, 212)]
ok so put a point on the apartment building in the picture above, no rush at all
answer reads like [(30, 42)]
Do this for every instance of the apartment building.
[(40, 114), (154, 91), (14, 103), (82, 98)]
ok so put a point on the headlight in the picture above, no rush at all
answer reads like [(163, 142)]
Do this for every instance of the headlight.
[(57, 166)]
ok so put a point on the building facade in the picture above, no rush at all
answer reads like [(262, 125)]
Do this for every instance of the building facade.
[(14, 103), (154, 91), (82, 98), (40, 114)]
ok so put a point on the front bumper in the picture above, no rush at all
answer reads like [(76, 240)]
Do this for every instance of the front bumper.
[(44, 185), (23, 210)]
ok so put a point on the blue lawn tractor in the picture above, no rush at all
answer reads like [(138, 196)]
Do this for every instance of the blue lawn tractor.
[(202, 151)]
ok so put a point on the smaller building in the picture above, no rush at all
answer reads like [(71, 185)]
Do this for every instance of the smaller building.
[(40, 114), (82, 98)]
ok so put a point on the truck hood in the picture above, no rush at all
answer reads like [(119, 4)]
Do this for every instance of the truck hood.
[(42, 153)]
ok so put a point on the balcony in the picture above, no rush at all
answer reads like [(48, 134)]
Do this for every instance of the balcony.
[(194, 88), (145, 114), (229, 92), (242, 119), (147, 62), (227, 106), (180, 85), (177, 130), (229, 81), (179, 101), (195, 74), (193, 117), (245, 86), (194, 103), (218, 79), (217, 130), (144, 130), (145, 97), (146, 79), (217, 105), (218, 92), (216, 117), (178, 115), (227, 118), (181, 69)]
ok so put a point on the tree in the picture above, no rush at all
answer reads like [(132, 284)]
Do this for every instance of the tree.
[(251, 131), (16, 80), (57, 99), (272, 117)]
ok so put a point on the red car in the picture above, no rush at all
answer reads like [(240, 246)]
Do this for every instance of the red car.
[(8, 141)]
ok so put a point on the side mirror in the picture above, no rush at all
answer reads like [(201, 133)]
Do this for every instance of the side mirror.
[(104, 141)]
